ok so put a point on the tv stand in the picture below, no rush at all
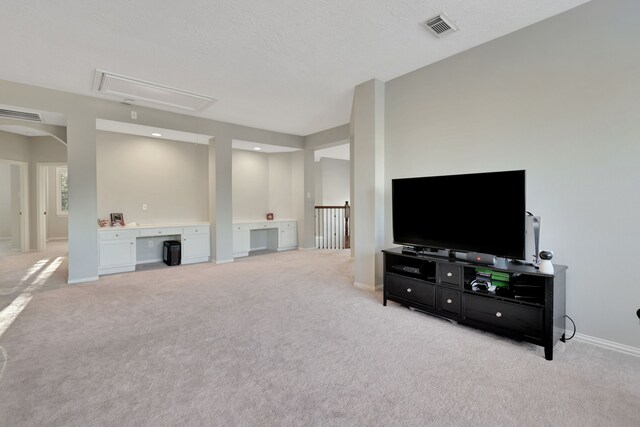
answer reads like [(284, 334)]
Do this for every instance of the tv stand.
[(531, 308)]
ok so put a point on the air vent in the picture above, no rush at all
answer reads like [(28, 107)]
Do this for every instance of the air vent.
[(20, 115), (441, 25), (136, 91)]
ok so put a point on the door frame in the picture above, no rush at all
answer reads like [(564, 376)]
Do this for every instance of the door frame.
[(23, 167)]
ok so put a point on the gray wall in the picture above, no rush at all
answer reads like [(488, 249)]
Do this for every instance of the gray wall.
[(57, 225), (559, 99), (171, 177), (332, 182), (14, 147)]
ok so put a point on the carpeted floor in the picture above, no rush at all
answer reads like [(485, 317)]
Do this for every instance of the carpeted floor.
[(284, 339)]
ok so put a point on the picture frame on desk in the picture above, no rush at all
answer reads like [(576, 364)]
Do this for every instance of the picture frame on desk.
[(117, 220)]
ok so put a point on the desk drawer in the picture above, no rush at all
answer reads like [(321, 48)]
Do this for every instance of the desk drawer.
[(196, 229), (161, 231), (117, 235)]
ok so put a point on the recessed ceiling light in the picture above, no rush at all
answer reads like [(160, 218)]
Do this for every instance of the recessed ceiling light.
[(156, 134), (257, 148)]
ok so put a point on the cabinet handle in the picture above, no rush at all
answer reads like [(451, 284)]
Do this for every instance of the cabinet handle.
[(449, 301), (449, 274), (131, 243), (408, 289), (498, 314), (117, 235)]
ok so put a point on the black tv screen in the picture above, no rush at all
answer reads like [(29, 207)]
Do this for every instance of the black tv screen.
[(478, 212)]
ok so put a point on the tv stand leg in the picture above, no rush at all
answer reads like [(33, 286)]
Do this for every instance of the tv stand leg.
[(548, 352), (384, 300)]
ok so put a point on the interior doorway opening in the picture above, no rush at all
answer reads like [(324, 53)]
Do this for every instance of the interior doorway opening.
[(52, 203), (14, 205)]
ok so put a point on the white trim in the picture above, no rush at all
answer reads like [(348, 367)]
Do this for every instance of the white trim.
[(610, 345), (56, 238), (364, 287), (150, 261), (24, 202), (224, 261), (83, 280)]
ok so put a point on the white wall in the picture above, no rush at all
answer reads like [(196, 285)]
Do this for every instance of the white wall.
[(57, 225), (559, 99), (280, 190), (250, 185), (5, 200), (262, 183), (171, 177), (332, 182)]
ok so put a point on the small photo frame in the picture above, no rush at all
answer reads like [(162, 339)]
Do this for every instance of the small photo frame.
[(117, 220)]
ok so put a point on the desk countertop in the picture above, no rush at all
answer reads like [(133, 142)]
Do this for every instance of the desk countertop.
[(136, 226), (252, 221)]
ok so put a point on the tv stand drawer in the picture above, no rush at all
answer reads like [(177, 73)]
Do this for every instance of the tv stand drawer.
[(418, 291), (516, 318)]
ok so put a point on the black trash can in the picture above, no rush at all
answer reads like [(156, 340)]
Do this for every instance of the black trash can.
[(171, 252)]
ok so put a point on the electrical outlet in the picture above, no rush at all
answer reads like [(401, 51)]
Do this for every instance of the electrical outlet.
[(144, 206), (150, 243)]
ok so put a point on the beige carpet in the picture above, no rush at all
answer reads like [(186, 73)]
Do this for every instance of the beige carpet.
[(284, 339)]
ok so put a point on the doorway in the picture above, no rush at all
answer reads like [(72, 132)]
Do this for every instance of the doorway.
[(14, 206), (52, 203)]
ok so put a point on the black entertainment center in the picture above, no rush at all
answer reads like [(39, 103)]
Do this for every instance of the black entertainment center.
[(532, 310), (484, 216)]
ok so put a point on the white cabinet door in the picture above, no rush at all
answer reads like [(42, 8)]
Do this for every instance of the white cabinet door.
[(195, 248), (288, 237), (117, 256), (241, 241)]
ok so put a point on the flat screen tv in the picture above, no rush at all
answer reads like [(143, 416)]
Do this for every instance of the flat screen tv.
[(476, 212)]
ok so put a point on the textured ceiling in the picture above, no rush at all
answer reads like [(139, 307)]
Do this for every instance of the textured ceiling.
[(286, 65)]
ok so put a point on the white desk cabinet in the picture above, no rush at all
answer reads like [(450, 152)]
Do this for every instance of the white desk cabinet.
[(195, 244), (280, 236), (288, 236), (241, 240), (117, 247), (117, 251)]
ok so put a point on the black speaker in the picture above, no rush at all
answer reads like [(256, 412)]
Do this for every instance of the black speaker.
[(479, 258)]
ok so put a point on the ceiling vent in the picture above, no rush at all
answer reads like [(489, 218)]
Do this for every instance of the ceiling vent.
[(135, 91), (441, 25), (20, 115)]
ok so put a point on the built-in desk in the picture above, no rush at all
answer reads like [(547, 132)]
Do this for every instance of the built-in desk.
[(122, 248), (277, 235)]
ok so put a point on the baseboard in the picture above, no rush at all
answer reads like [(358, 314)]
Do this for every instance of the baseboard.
[(56, 238), (626, 349), (365, 287), (149, 261), (83, 280), (4, 238), (224, 261)]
